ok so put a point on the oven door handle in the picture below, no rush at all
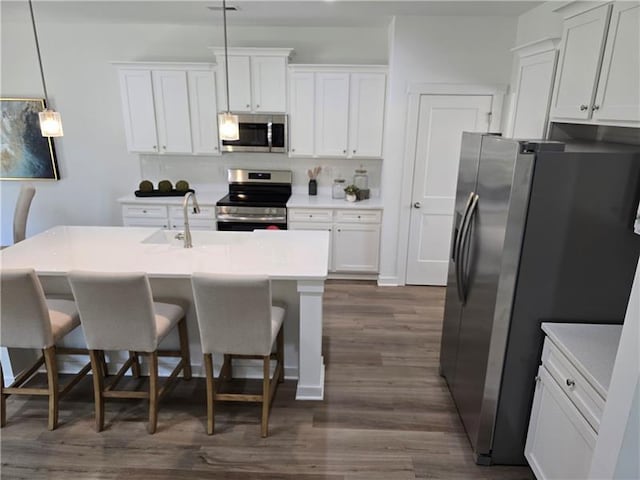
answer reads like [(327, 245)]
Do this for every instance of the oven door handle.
[(234, 218)]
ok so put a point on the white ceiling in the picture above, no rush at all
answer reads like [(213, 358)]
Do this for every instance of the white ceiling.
[(362, 13)]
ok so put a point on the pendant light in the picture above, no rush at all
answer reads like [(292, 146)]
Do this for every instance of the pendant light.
[(50, 121), (228, 123)]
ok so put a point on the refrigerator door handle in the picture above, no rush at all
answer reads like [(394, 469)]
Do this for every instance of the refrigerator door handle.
[(456, 246), (464, 248)]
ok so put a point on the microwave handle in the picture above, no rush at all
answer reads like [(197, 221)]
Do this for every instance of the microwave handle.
[(270, 134)]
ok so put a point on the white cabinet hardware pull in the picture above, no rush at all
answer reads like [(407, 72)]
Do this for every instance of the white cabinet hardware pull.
[(595, 108), (583, 107)]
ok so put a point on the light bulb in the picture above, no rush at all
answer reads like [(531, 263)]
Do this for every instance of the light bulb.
[(229, 129), (50, 123)]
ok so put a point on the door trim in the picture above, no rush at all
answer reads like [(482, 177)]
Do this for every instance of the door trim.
[(414, 92)]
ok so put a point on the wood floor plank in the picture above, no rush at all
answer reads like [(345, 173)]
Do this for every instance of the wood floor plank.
[(387, 414)]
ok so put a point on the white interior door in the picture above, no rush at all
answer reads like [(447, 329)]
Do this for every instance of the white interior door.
[(441, 121)]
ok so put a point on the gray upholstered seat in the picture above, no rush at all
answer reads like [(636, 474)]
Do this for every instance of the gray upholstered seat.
[(117, 312), (29, 320), (236, 317)]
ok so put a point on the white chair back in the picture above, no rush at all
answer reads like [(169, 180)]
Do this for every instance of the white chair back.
[(234, 313), (21, 213), (116, 310), (24, 316)]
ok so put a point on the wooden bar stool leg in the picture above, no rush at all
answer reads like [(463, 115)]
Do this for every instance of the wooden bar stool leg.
[(153, 392), (98, 387), (103, 364), (135, 364), (280, 354), (211, 392), (265, 396), (52, 381), (226, 371), (184, 348), (3, 400)]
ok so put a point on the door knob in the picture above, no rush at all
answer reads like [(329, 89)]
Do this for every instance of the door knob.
[(417, 205)]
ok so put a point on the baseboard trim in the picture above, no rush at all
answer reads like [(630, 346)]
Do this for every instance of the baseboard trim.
[(384, 281)]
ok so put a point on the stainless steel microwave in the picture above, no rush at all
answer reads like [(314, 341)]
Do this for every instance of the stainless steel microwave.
[(259, 133)]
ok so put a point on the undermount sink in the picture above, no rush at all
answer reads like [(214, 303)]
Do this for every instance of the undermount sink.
[(199, 238)]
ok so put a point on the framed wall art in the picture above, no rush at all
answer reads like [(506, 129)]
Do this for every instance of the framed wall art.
[(24, 153)]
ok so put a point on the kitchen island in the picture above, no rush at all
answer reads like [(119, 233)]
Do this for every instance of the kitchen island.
[(295, 261)]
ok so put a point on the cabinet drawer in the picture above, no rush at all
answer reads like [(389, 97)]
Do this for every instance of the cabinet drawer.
[(359, 216), (196, 223), (144, 211), (582, 394), (177, 214), (145, 222), (310, 226), (310, 215)]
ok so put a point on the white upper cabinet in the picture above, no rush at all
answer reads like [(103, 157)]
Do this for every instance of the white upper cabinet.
[(139, 111), (336, 110), (169, 108), (172, 110), (257, 79), (618, 96), (202, 103), (301, 114), (366, 114), (598, 79), (332, 114)]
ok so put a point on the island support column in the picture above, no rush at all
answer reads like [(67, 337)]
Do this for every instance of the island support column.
[(311, 366)]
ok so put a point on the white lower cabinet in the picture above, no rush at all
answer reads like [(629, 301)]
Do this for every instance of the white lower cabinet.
[(570, 395), (355, 236), (168, 217)]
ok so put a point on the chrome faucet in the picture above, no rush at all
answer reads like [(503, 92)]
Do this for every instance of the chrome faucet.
[(196, 209)]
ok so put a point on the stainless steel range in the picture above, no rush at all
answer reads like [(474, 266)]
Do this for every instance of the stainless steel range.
[(257, 199)]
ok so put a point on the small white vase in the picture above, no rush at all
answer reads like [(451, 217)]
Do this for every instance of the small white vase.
[(351, 197)]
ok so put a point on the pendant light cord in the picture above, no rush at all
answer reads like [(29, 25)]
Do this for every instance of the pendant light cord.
[(35, 34), (226, 55)]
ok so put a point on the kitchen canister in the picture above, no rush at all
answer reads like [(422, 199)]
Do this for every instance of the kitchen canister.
[(337, 190), (361, 179)]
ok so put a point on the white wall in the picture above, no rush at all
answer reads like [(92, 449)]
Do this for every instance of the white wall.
[(94, 164), (471, 50), (538, 23)]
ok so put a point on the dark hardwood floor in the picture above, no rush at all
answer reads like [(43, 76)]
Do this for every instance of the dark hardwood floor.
[(387, 414)]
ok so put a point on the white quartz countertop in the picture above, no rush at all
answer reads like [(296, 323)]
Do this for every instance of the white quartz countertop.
[(204, 198), (281, 254), (324, 201), (591, 348)]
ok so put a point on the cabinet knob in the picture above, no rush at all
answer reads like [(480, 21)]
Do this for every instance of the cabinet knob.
[(248, 106), (358, 216), (155, 147), (339, 230), (571, 383), (164, 147), (293, 149), (595, 108), (417, 205), (144, 211), (354, 151), (583, 107), (257, 106), (344, 151)]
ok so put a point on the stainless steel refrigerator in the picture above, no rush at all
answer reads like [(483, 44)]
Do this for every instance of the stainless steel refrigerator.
[(543, 231)]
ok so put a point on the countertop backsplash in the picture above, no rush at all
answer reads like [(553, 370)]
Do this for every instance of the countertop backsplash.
[(210, 172)]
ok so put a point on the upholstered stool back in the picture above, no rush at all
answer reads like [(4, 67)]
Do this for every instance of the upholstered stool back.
[(116, 310), (234, 313), (24, 315), (21, 212)]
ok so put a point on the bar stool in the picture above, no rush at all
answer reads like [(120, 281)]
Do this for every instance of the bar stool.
[(236, 318), (117, 312), (29, 320)]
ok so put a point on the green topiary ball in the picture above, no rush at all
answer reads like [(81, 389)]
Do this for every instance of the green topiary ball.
[(145, 186), (165, 186), (182, 185)]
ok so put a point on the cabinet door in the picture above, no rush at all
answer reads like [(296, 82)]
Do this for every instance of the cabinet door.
[(560, 442), (332, 114), (269, 84), (316, 226), (239, 84), (356, 247), (301, 114), (203, 107), (138, 110), (618, 96), (581, 49), (366, 116), (172, 110)]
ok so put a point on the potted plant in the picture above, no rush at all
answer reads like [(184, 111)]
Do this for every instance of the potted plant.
[(352, 192)]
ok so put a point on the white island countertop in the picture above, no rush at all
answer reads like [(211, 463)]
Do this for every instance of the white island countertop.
[(325, 201), (591, 348), (285, 255)]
